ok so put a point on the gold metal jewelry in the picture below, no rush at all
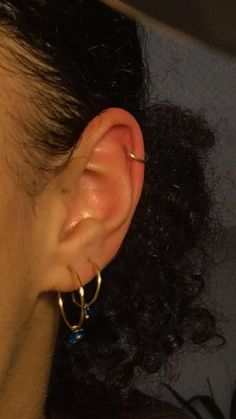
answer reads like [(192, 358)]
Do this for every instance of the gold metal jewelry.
[(85, 310), (60, 302), (134, 157), (87, 305)]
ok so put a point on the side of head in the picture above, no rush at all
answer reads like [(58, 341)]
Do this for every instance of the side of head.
[(74, 93)]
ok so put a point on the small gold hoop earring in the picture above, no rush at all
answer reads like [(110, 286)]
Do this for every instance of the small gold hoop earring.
[(138, 159), (85, 310)]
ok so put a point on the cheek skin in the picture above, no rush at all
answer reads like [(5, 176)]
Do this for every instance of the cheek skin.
[(16, 290)]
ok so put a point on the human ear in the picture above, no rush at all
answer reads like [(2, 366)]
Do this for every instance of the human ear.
[(85, 213)]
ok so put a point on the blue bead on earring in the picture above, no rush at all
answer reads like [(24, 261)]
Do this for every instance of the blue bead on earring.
[(88, 312), (76, 336)]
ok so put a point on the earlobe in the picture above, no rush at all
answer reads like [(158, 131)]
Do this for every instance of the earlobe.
[(102, 198)]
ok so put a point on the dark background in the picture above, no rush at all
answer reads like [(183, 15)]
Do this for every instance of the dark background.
[(213, 21), (200, 78)]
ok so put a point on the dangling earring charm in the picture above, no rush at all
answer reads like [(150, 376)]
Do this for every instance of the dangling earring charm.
[(85, 310), (77, 331)]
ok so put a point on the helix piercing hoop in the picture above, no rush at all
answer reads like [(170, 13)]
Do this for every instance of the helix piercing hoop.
[(138, 159), (85, 311)]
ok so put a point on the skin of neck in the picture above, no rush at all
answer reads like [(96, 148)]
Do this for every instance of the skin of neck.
[(25, 387)]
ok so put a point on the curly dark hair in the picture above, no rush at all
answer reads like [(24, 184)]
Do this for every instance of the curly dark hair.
[(81, 57)]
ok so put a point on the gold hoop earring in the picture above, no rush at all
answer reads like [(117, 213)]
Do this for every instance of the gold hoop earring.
[(138, 159), (85, 311)]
